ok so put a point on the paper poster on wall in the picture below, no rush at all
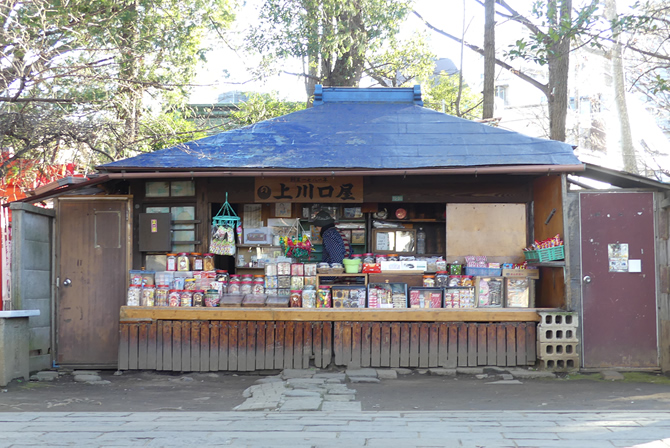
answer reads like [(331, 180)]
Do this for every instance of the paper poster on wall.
[(617, 254), (382, 241)]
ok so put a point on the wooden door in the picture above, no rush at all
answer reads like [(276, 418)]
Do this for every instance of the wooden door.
[(618, 280), (92, 263)]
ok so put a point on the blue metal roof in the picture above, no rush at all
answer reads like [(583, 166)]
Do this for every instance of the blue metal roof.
[(357, 129)]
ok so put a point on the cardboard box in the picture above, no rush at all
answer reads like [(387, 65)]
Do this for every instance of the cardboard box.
[(415, 266), (521, 273)]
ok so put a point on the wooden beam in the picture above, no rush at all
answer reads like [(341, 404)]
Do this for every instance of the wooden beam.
[(330, 315)]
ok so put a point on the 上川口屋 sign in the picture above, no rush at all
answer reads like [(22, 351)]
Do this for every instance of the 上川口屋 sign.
[(309, 189)]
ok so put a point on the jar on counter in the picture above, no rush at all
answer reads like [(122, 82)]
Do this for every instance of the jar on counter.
[(368, 258), (323, 297), (134, 295), (196, 261), (309, 297), (234, 287), (428, 281), (148, 296), (442, 279), (198, 297), (258, 286), (189, 284), (171, 262), (440, 265), (392, 257), (183, 262), (221, 276), (245, 287), (297, 283), (310, 269), (297, 269), (186, 298), (208, 262), (247, 278), (161, 296), (283, 268), (212, 298), (379, 258), (234, 277), (174, 297), (295, 299)]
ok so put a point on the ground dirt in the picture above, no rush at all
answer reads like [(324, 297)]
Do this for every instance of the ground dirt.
[(156, 391)]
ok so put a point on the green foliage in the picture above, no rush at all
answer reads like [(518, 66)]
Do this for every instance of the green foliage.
[(441, 93), (401, 63), (262, 106)]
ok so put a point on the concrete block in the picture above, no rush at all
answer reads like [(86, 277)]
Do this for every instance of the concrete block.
[(364, 379), (551, 318), (339, 397), (442, 372), (86, 378), (351, 406), (36, 256), (403, 371), (505, 382), (330, 376), (558, 334), (297, 373), (301, 404), (523, 373), (387, 374), (470, 370), (369, 373), (560, 364), (270, 379), (47, 375), (38, 363), (302, 393), (14, 349), (557, 349)]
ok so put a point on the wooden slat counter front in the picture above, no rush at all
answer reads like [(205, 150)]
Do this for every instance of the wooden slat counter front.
[(246, 339)]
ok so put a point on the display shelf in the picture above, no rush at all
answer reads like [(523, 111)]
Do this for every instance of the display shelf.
[(320, 276), (548, 264), (262, 246), (415, 220)]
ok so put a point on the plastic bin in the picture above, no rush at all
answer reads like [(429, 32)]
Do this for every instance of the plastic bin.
[(549, 254)]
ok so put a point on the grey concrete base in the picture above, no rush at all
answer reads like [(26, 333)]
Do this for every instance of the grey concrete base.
[(14, 348)]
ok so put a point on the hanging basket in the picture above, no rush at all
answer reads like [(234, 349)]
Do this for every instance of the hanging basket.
[(224, 226), (296, 244)]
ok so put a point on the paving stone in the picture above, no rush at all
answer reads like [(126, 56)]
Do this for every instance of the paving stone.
[(249, 391), (293, 382), (611, 375), (505, 382), (530, 374), (442, 372), (85, 378), (335, 380), (46, 375), (251, 405), (387, 374), (403, 371), (369, 373), (422, 371), (99, 383), (351, 406), (363, 379), (470, 370), (341, 391), (494, 370), (334, 397), (482, 376), (118, 373), (302, 393), (301, 404), (85, 372), (297, 373), (507, 376), (330, 376)]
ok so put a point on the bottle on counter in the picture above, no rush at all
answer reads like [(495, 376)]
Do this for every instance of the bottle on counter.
[(421, 241)]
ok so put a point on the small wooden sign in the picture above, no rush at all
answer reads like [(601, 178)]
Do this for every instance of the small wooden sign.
[(326, 189)]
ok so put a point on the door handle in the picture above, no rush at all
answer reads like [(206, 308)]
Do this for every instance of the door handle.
[(587, 279), (67, 282)]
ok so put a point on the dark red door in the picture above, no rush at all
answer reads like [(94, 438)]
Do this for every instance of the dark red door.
[(619, 305)]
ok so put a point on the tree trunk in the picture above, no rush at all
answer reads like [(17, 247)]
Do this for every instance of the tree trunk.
[(626, 143), (559, 64), (489, 60)]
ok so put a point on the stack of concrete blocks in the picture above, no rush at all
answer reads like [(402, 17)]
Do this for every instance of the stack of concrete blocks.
[(558, 341)]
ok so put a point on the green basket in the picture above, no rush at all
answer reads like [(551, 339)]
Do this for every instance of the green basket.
[(542, 255)]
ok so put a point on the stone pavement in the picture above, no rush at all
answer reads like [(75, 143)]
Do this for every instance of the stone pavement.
[(337, 429)]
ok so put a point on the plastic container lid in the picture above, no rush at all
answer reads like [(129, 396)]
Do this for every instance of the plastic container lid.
[(324, 286)]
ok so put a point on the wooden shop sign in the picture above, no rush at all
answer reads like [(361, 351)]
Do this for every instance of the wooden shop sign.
[(309, 189)]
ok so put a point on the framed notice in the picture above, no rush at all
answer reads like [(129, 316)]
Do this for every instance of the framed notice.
[(283, 210)]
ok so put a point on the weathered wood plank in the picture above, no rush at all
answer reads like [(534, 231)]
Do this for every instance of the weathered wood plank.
[(307, 344), (270, 345), (355, 360), (288, 344), (501, 349), (375, 357), (159, 345), (491, 344), (279, 345), (327, 343), (521, 344), (260, 345), (298, 334), (316, 344), (195, 345), (472, 345), (338, 343), (462, 345), (424, 342), (214, 328), (151, 345), (224, 350), (167, 345), (176, 346), (452, 356), (443, 344), (531, 343), (385, 345), (232, 346), (414, 337), (346, 343), (433, 346), (251, 346), (366, 341), (204, 346), (511, 344), (404, 344), (186, 346), (124, 331), (142, 346), (482, 354), (395, 344), (242, 346), (133, 346)]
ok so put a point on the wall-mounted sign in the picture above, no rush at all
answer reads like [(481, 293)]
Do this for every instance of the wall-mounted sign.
[(617, 254), (309, 189)]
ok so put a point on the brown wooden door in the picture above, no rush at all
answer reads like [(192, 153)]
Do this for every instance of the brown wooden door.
[(92, 265), (619, 307)]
